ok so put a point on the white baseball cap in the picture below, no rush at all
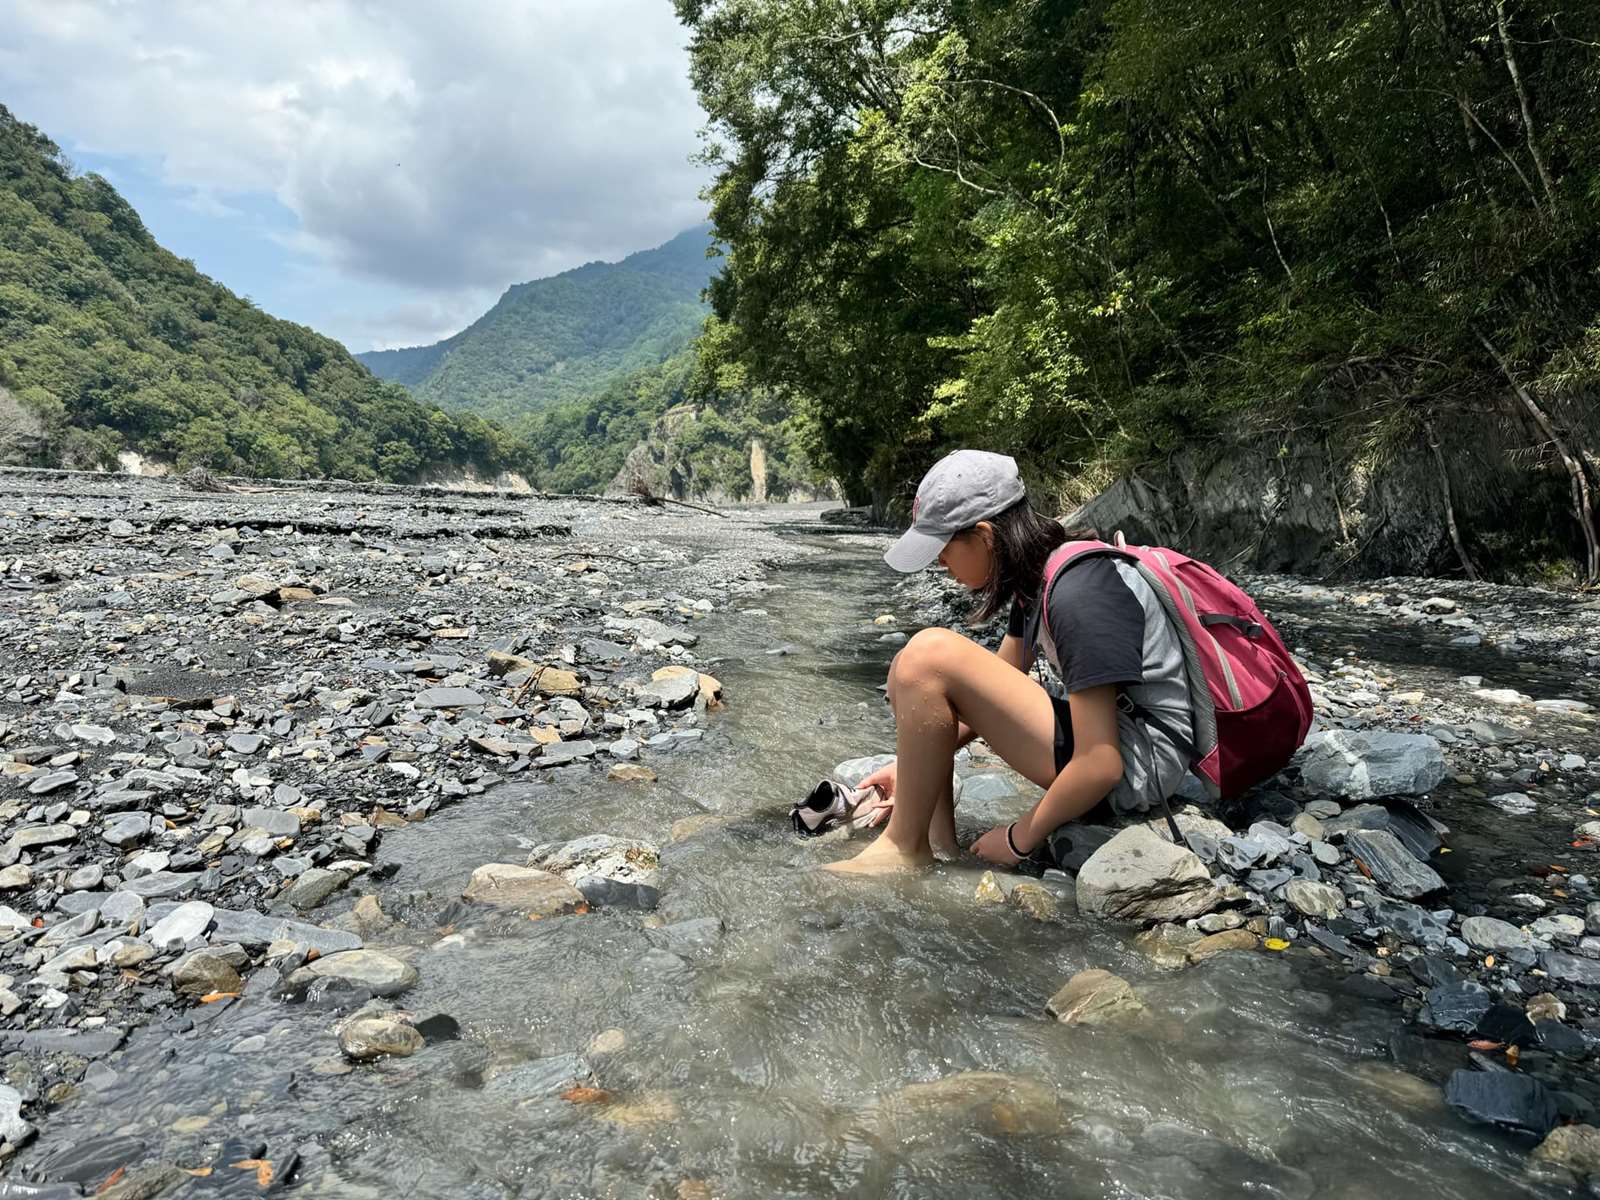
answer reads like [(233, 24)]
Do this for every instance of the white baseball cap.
[(961, 489)]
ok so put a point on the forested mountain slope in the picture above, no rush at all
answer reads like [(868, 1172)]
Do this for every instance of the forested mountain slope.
[(1181, 235), (108, 343), (556, 340)]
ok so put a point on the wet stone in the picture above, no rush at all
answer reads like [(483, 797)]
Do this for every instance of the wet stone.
[(366, 1038), (1570, 968), (540, 1078), (1393, 867), (372, 971), (181, 926), (1516, 1103), (1455, 1007), (1488, 933)]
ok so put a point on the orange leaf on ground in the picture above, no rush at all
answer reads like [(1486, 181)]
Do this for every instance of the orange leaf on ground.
[(111, 1180), (1484, 1044), (260, 1166), (213, 997), (585, 1095), (313, 954), (1512, 1054), (197, 1172)]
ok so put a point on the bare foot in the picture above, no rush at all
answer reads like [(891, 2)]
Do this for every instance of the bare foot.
[(943, 850), (882, 857)]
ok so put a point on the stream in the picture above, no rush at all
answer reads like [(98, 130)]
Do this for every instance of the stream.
[(773, 1031)]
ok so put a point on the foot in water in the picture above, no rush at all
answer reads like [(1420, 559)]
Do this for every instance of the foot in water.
[(882, 857)]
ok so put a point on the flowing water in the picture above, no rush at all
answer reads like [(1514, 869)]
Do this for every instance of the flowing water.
[(772, 1057)]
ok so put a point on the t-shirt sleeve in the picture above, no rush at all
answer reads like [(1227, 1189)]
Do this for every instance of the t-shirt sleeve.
[(1016, 623), (1097, 624)]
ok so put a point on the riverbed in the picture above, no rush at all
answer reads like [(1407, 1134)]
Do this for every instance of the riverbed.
[(770, 1030)]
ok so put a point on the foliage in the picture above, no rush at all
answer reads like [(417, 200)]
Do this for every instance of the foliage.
[(556, 341), (112, 343), (1087, 231), (706, 428)]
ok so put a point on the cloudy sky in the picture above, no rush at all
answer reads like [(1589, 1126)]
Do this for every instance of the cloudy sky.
[(378, 169)]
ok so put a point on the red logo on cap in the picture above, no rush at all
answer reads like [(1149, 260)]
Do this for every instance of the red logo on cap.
[(916, 505)]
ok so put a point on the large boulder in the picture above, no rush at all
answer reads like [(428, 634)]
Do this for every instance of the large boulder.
[(1343, 762), (1140, 876), (378, 973)]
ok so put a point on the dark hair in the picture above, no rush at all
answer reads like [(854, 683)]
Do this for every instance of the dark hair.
[(1023, 540)]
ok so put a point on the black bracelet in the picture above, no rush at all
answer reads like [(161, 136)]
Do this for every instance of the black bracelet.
[(1011, 844)]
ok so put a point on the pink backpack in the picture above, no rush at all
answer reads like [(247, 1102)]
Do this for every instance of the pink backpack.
[(1251, 706)]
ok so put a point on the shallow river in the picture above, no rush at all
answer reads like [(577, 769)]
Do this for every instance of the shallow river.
[(770, 1059)]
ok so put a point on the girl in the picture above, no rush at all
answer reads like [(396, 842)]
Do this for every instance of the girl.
[(1104, 631)]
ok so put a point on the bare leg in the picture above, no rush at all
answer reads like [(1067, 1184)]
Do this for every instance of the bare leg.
[(942, 825), (939, 681)]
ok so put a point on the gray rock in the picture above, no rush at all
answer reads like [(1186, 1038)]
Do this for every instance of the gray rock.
[(15, 877), (1456, 1006), (1393, 868), (98, 734), (1314, 899), (13, 1128), (30, 837), (1488, 933), (1518, 1103), (274, 821), (540, 1078), (160, 884), (1140, 876), (1570, 968), (256, 931), (1366, 765), (120, 529), (126, 829), (245, 743), (448, 697), (314, 886), (1518, 804), (1591, 917), (52, 782), (181, 926), (373, 971), (647, 629), (86, 878), (558, 754), (675, 691)]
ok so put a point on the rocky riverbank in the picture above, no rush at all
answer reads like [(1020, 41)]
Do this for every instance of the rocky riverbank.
[(1435, 841), (213, 706)]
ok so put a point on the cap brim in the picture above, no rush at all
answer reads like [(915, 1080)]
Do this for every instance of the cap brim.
[(915, 550)]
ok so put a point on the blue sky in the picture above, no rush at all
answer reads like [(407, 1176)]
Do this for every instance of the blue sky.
[(378, 171)]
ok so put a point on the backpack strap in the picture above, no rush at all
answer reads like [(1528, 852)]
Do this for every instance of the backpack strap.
[(1055, 566)]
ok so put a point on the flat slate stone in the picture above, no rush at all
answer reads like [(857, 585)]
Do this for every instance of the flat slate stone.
[(541, 1077), (1518, 1103), (255, 930), (1570, 968), (1393, 867), (53, 782), (560, 753), (162, 883), (1456, 1007), (448, 697), (275, 821), (85, 1043)]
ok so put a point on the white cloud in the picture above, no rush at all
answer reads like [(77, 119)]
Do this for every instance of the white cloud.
[(441, 148)]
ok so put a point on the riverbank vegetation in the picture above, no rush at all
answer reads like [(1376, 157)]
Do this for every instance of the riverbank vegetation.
[(1093, 232)]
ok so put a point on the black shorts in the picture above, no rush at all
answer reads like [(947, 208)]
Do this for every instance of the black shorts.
[(1063, 733), (1102, 813)]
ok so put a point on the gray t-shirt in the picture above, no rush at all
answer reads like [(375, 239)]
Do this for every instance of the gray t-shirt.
[(1106, 625)]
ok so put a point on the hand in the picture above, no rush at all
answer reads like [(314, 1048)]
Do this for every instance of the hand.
[(875, 810), (992, 847)]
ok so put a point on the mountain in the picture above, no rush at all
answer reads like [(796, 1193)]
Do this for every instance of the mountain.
[(110, 343), (564, 338)]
